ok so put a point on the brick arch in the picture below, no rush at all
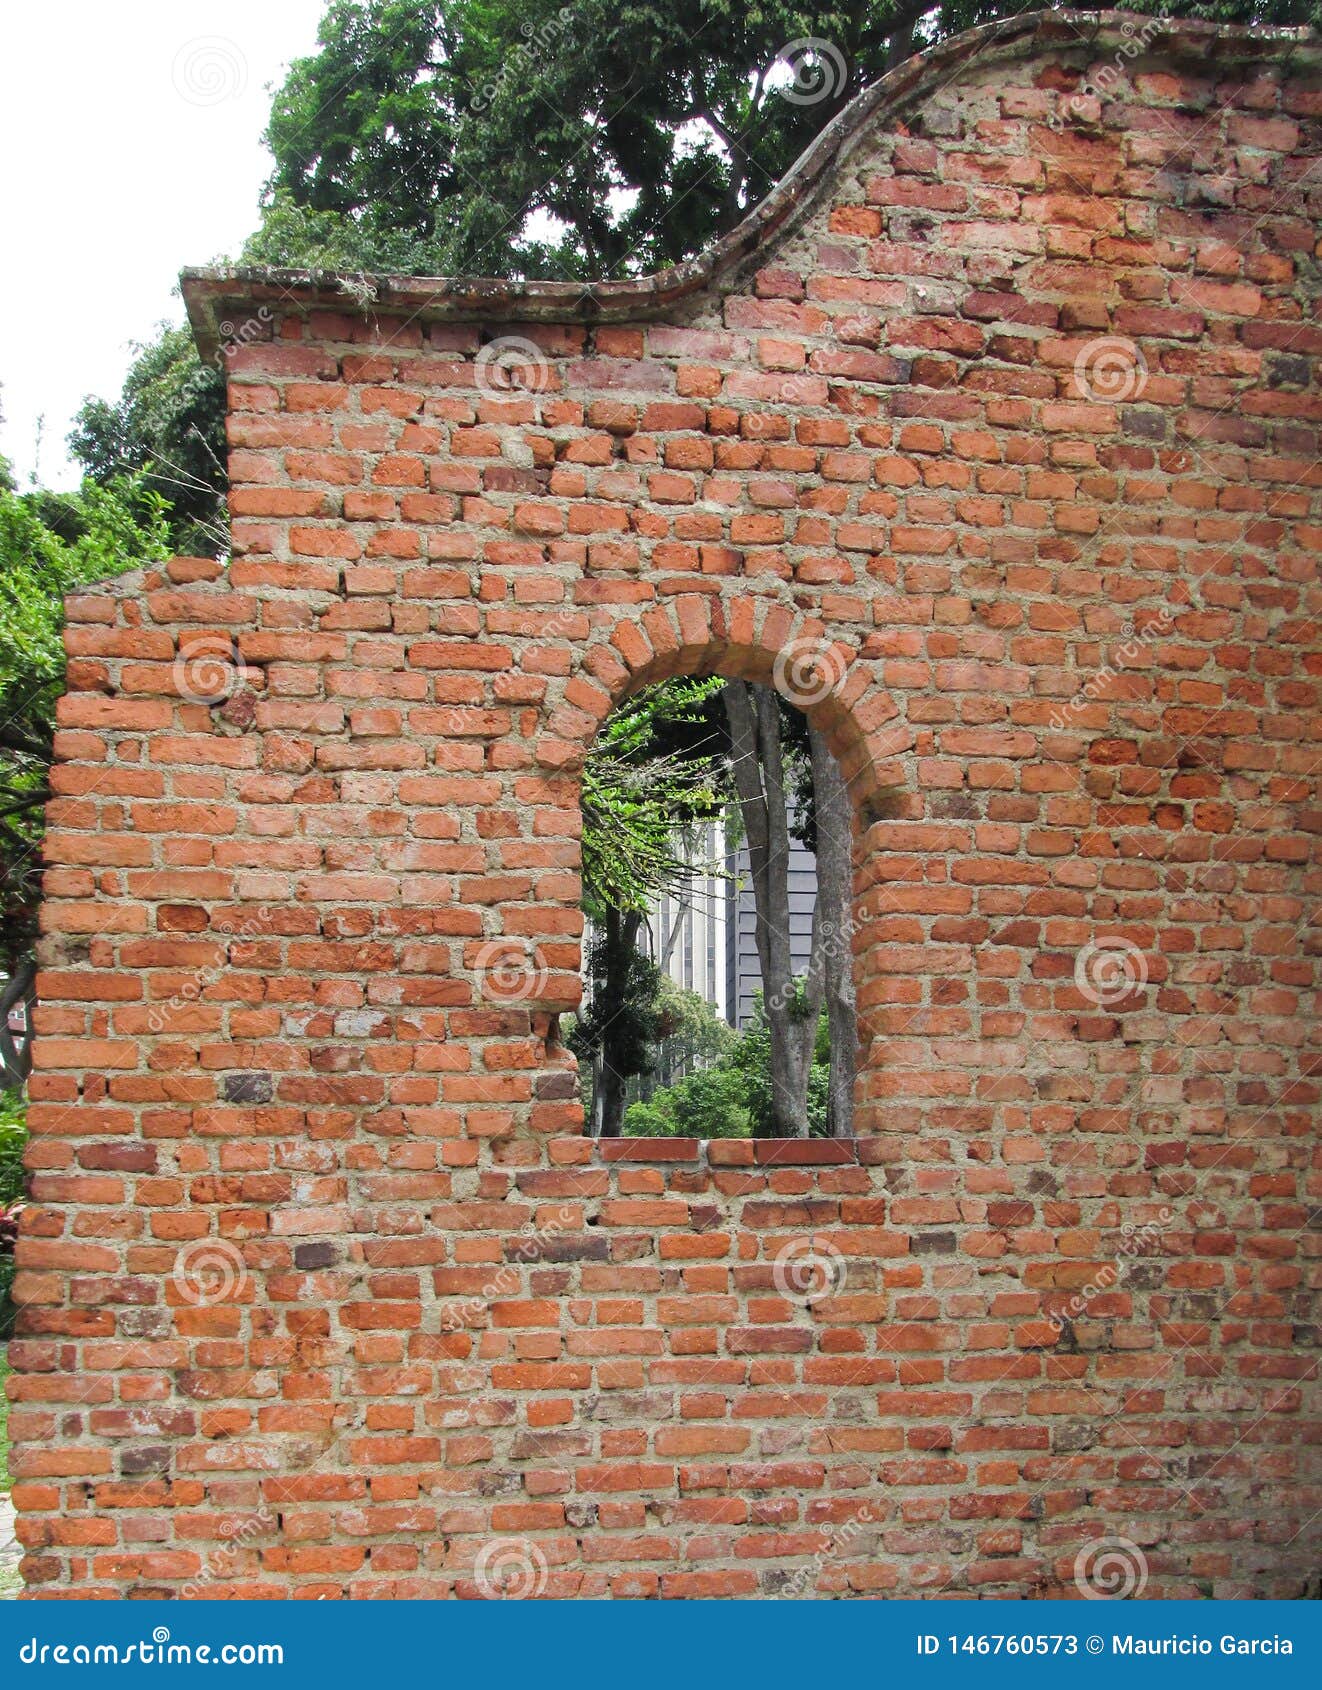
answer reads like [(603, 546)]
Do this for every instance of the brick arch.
[(753, 639)]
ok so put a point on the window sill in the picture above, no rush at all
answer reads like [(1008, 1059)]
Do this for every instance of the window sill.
[(735, 1152)]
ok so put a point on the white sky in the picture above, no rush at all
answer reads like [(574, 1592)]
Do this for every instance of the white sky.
[(129, 147)]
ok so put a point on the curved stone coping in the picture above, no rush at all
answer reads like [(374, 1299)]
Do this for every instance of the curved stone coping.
[(217, 295)]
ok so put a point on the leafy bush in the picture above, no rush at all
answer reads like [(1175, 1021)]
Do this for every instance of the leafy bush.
[(751, 1059), (8, 1233), (650, 1120), (732, 1097), (709, 1104), (13, 1136), (50, 544), (168, 426)]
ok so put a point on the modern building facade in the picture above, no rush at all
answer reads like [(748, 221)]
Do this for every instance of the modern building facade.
[(704, 936)]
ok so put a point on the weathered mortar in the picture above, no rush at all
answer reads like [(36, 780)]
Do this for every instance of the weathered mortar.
[(326, 1294)]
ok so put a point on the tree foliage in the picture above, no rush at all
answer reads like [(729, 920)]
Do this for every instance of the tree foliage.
[(634, 133), (13, 1137), (693, 1035), (732, 1096), (49, 545), (528, 138), (168, 428), (585, 138), (753, 1060), (654, 767), (711, 1103)]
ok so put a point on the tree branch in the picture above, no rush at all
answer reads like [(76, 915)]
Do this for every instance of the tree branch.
[(33, 801), (900, 33), (14, 739)]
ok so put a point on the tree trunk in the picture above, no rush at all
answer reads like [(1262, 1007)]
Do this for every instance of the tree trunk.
[(835, 918), (610, 1092), (759, 777)]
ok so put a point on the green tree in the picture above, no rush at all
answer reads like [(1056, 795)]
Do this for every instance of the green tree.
[(753, 1059), (617, 1030), (656, 764), (50, 544), (13, 1136), (712, 1103), (788, 783), (733, 1096), (639, 132), (527, 138), (692, 1035), (168, 428)]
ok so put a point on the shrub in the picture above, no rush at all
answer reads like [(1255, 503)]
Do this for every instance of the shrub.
[(649, 1120), (709, 1104), (752, 1058), (13, 1136), (8, 1234)]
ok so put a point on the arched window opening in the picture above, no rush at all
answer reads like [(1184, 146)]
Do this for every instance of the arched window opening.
[(718, 979)]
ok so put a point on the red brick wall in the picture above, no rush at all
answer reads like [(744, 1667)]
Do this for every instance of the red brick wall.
[(1002, 445)]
